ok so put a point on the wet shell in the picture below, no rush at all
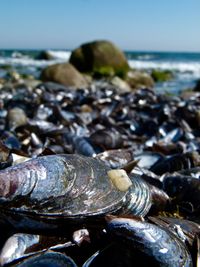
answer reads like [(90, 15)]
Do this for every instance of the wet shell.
[(166, 249), (58, 185), (53, 259), (115, 255), (20, 246), (183, 189), (176, 162), (184, 229), (52, 191), (107, 139), (15, 247)]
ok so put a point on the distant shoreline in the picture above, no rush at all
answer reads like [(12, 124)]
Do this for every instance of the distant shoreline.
[(184, 65)]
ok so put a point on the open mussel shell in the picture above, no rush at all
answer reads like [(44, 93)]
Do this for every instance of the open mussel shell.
[(59, 191), (48, 259), (164, 247)]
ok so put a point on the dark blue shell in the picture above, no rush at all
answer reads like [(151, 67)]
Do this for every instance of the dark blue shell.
[(165, 248), (49, 259)]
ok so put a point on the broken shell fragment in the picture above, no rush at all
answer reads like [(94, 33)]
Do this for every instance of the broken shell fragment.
[(120, 179)]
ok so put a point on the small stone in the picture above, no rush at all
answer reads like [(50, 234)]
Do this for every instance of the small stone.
[(86, 108), (122, 85), (139, 80), (65, 74), (16, 117)]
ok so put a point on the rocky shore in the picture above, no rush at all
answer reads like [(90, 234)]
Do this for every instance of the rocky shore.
[(91, 62), (96, 72), (95, 105)]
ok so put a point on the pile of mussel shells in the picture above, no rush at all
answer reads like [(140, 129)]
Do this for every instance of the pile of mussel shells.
[(97, 177)]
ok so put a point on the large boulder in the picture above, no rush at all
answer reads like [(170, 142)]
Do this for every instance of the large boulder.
[(101, 58), (139, 80), (64, 73)]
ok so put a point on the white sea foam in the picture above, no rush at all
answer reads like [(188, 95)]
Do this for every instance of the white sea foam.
[(65, 55), (24, 60), (17, 54), (29, 62), (187, 68)]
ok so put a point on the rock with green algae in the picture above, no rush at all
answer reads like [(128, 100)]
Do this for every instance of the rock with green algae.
[(162, 75), (101, 59), (64, 73), (6, 67)]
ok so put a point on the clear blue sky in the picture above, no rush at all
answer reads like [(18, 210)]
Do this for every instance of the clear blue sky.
[(171, 25)]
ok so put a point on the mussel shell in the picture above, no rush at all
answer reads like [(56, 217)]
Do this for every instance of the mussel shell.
[(80, 145), (116, 255), (20, 246), (194, 172), (107, 139), (148, 159), (5, 156), (49, 259), (164, 247), (183, 189), (49, 191), (116, 158), (140, 197), (15, 247), (185, 229), (176, 162)]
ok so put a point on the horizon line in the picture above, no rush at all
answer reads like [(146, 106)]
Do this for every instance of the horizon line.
[(124, 50)]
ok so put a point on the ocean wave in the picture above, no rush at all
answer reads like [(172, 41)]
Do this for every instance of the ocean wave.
[(17, 54), (65, 55), (183, 67), (29, 62), (186, 68), (145, 57), (20, 59)]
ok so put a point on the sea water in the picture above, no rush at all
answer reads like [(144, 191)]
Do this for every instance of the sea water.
[(185, 66)]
